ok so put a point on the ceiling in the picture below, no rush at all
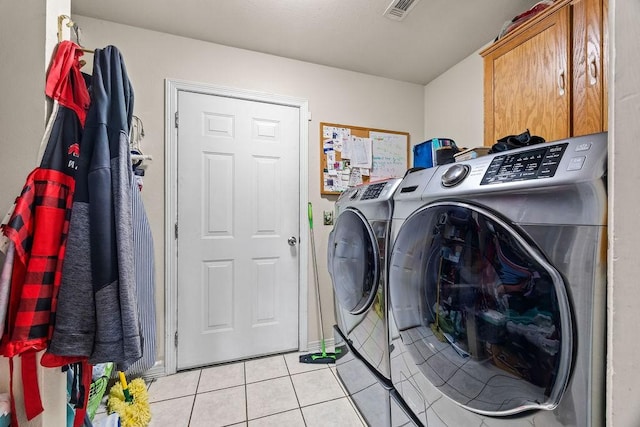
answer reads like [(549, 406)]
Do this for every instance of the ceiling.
[(348, 34)]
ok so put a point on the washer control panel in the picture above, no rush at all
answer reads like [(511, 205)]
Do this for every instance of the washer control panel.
[(373, 191), (537, 163)]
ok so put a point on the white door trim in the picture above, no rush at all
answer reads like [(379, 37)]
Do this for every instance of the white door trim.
[(172, 87)]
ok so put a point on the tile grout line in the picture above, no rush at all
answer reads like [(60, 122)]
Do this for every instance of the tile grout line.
[(349, 399), (291, 370), (299, 408), (193, 404), (295, 393), (345, 395), (246, 394), (304, 420)]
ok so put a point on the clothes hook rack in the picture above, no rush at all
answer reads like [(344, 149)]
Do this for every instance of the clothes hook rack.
[(61, 19), (70, 24)]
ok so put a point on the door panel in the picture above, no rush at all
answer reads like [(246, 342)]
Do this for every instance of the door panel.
[(238, 203)]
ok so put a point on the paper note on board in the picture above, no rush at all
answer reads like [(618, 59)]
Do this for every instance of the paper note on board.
[(355, 178), (360, 152), (331, 159)]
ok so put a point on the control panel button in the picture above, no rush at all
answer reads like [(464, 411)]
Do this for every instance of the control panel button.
[(455, 175), (583, 147), (576, 163)]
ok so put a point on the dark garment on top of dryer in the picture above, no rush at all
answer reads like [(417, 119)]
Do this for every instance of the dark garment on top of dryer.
[(97, 312), (511, 142)]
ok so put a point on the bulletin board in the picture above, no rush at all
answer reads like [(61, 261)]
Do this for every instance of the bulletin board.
[(352, 155)]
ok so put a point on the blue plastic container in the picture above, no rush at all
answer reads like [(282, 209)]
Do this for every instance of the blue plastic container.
[(424, 154)]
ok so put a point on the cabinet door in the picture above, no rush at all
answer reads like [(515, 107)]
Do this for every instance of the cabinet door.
[(528, 82), (589, 108)]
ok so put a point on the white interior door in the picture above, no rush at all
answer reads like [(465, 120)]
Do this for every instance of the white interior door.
[(238, 207)]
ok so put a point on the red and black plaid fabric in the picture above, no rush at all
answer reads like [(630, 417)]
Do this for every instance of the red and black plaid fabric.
[(38, 228)]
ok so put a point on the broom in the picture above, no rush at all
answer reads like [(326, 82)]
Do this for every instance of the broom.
[(323, 356), (130, 402)]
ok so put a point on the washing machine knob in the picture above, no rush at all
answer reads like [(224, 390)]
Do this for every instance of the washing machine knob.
[(455, 175)]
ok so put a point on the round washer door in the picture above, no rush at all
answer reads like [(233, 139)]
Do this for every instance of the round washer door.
[(353, 261), (484, 316)]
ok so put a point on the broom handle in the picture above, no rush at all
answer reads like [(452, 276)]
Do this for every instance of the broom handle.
[(315, 272), (125, 388)]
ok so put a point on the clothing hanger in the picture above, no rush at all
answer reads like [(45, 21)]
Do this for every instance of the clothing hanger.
[(137, 129), (74, 27), (135, 137)]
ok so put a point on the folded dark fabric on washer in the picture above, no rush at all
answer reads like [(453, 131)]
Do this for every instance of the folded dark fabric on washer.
[(511, 142)]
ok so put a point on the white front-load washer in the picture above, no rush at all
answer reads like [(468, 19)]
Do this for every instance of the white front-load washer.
[(497, 282)]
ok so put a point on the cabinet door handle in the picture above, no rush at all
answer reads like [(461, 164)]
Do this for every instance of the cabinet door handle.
[(593, 72), (561, 82)]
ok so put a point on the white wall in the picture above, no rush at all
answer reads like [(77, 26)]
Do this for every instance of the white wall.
[(334, 95), (453, 104), (22, 53), (623, 373)]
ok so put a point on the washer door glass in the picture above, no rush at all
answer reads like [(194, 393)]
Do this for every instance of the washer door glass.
[(484, 316), (353, 261)]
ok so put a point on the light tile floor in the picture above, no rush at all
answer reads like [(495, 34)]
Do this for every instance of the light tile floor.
[(270, 391)]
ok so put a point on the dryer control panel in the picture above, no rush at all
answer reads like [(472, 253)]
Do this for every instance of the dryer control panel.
[(373, 191), (565, 162), (532, 164)]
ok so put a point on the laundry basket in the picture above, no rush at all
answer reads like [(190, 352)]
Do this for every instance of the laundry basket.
[(98, 387)]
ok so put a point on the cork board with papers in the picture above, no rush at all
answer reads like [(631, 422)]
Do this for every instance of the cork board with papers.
[(352, 155)]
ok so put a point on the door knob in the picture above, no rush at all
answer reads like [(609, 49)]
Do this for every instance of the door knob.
[(292, 241)]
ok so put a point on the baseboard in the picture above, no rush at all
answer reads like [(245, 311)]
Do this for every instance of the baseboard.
[(315, 346), (158, 370)]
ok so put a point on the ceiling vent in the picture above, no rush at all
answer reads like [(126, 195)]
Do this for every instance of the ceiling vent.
[(399, 9)]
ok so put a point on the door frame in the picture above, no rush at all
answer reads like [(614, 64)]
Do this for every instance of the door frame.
[(172, 88)]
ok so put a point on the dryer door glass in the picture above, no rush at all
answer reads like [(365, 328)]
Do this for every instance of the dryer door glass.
[(353, 261), (484, 316)]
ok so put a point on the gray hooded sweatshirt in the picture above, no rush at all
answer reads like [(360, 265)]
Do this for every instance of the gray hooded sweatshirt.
[(97, 313)]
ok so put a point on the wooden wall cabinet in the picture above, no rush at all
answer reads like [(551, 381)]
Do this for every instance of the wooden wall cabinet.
[(549, 75)]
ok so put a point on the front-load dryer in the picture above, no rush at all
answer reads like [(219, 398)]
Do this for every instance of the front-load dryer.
[(497, 282), (357, 260)]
